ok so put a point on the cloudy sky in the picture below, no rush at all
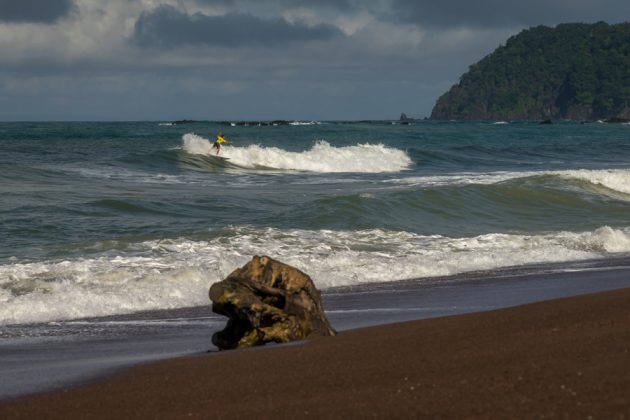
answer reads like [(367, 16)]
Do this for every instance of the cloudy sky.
[(254, 59)]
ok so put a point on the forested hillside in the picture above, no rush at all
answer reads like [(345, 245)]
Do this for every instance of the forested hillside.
[(573, 71)]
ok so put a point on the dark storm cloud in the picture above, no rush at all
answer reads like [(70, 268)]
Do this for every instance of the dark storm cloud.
[(167, 27), (217, 2), (335, 4), (34, 11), (502, 13)]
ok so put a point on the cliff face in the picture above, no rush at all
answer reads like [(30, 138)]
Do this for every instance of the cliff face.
[(572, 71)]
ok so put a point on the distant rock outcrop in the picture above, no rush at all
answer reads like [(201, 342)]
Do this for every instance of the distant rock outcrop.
[(404, 120), (267, 301), (617, 120), (266, 123), (573, 71)]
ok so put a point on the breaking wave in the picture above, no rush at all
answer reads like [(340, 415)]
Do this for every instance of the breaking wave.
[(171, 273), (322, 157), (613, 179), (617, 180)]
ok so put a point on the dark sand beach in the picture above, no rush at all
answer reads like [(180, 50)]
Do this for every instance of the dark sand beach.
[(563, 358)]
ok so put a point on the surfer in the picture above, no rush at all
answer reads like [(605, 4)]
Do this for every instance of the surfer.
[(217, 143)]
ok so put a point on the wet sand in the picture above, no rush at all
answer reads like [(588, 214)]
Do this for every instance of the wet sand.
[(567, 358), (43, 357)]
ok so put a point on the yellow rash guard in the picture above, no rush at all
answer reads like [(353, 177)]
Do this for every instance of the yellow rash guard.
[(220, 140)]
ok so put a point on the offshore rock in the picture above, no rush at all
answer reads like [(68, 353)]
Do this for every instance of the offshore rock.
[(404, 120), (267, 301), (617, 120)]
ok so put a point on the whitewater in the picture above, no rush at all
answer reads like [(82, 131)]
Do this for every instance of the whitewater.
[(322, 157), (176, 273), (614, 180)]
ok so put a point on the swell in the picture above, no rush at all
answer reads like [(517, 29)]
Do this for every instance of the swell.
[(539, 202), (546, 153)]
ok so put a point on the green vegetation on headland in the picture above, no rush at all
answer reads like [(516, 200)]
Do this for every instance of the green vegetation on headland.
[(573, 71)]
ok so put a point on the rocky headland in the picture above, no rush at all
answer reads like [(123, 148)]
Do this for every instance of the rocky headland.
[(571, 72)]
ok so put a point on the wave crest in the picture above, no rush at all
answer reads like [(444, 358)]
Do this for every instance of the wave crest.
[(613, 179), (322, 157), (617, 180)]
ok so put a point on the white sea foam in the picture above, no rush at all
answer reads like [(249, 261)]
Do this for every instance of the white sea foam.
[(322, 157), (613, 179), (463, 178), (177, 273), (304, 123)]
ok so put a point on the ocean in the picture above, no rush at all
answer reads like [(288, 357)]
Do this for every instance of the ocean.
[(100, 219)]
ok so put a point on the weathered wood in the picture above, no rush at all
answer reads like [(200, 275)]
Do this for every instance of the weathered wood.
[(267, 301)]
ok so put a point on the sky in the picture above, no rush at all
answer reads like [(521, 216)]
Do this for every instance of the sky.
[(77, 60)]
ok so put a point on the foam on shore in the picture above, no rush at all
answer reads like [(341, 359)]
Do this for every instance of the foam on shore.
[(172, 273)]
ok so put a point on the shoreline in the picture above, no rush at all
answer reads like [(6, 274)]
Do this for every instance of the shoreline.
[(560, 358), (46, 357)]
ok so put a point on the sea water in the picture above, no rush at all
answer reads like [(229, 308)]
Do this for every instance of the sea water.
[(113, 218)]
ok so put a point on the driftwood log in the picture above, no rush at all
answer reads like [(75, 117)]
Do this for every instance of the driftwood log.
[(267, 301)]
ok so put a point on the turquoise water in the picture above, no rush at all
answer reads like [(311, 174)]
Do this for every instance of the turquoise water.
[(105, 218)]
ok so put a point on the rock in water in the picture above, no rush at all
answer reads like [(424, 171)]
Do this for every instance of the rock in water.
[(267, 301)]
